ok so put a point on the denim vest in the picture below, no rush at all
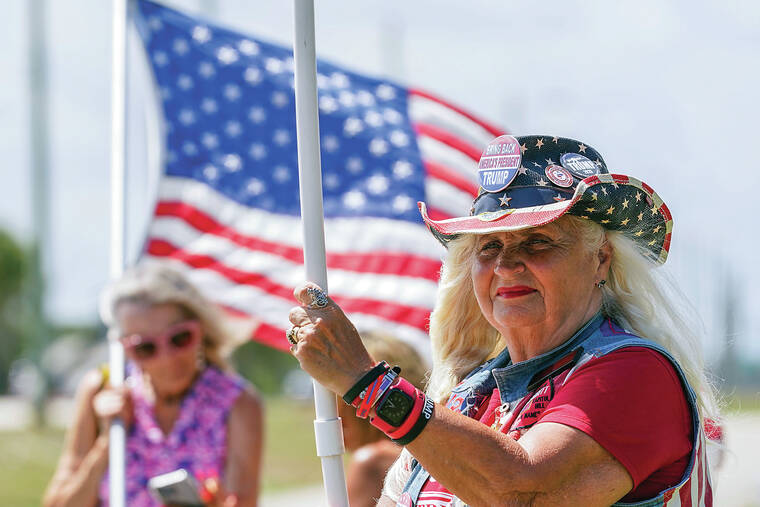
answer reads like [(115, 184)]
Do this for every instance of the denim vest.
[(521, 392)]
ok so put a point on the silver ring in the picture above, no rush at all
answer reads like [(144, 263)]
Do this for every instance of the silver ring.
[(318, 298), (292, 334)]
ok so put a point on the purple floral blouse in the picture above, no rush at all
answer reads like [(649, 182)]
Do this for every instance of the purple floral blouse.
[(197, 441)]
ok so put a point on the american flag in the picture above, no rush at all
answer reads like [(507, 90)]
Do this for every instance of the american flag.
[(228, 211)]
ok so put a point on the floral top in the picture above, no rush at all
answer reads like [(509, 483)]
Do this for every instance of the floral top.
[(197, 441)]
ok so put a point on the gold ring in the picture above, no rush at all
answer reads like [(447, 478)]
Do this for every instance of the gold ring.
[(292, 334)]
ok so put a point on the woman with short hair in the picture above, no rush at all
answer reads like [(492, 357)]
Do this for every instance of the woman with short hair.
[(565, 369)]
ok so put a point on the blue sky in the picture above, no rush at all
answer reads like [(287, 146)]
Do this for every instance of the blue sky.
[(667, 91)]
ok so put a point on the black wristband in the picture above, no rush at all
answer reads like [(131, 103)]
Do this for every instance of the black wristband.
[(369, 377), (425, 416)]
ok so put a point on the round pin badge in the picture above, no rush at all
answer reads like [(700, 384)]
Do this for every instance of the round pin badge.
[(499, 163), (559, 176), (579, 165)]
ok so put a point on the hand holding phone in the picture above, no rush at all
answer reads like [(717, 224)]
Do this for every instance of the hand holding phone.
[(178, 488)]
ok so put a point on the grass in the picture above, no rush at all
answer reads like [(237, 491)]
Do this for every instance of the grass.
[(27, 461), (28, 458), (741, 400)]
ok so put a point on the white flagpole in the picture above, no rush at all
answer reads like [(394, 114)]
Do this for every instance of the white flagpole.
[(327, 428), (117, 433)]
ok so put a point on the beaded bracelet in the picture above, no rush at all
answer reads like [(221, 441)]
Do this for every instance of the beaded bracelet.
[(352, 396)]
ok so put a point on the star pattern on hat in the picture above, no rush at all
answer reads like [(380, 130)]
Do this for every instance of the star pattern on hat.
[(625, 204), (617, 202)]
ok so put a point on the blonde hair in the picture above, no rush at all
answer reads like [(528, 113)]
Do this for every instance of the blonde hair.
[(153, 283), (642, 299)]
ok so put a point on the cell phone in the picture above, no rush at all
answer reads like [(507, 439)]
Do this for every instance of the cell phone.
[(176, 488)]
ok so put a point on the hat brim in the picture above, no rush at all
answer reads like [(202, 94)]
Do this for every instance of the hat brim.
[(653, 235)]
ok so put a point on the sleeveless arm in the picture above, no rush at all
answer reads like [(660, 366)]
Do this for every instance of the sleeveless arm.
[(85, 454), (245, 436), (551, 464), (366, 471), (632, 403)]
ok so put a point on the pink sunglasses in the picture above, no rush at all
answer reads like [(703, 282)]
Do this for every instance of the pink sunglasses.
[(177, 337)]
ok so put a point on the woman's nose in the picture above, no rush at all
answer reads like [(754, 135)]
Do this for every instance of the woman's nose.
[(508, 262)]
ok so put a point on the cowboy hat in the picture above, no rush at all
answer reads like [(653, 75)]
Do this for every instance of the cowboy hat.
[(529, 181)]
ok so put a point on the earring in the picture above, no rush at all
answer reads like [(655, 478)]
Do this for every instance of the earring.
[(600, 283)]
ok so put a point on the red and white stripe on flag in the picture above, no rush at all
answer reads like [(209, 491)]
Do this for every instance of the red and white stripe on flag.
[(227, 204)]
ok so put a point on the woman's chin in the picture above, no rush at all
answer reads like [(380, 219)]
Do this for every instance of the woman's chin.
[(517, 316), (172, 385)]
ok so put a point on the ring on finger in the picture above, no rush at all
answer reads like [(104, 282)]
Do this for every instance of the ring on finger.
[(318, 297), (292, 334)]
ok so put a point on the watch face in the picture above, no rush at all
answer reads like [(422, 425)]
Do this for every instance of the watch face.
[(395, 407)]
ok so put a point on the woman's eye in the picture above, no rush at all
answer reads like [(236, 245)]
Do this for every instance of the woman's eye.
[(491, 245), (537, 243)]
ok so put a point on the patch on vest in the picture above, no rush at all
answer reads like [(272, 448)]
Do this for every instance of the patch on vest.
[(465, 402), (518, 417)]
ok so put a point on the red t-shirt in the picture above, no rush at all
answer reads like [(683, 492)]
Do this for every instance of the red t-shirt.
[(632, 403)]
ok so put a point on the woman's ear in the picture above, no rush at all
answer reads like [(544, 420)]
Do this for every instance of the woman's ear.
[(605, 258)]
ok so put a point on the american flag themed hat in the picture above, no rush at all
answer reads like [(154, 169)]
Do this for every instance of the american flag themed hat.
[(528, 181)]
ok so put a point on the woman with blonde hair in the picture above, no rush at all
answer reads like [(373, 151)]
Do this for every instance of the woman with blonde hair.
[(565, 371), (183, 405)]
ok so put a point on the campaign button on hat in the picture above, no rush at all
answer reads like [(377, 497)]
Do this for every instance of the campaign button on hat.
[(578, 165), (499, 163), (559, 176)]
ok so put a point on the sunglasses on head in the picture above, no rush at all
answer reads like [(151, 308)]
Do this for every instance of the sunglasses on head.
[(179, 336)]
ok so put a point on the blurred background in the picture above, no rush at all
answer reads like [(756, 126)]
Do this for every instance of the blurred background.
[(667, 91)]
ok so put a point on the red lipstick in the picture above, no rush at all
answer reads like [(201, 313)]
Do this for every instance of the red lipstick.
[(514, 291)]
